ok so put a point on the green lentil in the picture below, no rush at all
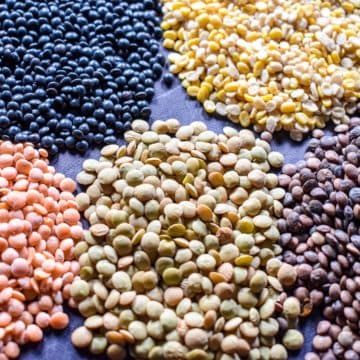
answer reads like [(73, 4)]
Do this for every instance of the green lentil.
[(179, 261), (98, 345), (79, 290), (293, 339)]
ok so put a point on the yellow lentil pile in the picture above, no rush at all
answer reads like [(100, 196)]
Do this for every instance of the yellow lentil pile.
[(288, 65), (180, 261)]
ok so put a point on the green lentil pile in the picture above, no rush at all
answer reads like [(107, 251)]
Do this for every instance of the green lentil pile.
[(180, 261)]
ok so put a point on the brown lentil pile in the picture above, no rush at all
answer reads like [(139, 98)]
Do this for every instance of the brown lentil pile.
[(321, 233), (288, 65), (39, 224), (180, 258)]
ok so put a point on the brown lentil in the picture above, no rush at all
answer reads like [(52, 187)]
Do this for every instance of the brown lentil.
[(321, 236)]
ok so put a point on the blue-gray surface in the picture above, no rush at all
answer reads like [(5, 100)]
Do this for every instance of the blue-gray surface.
[(168, 103)]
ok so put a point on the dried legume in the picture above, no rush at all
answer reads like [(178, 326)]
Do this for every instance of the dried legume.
[(277, 65), (39, 226), (75, 76), (320, 232), (192, 222)]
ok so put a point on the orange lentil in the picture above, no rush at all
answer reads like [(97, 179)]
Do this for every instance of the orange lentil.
[(16, 200), (76, 232), (44, 231), (3, 281), (18, 295), (71, 216), (34, 239), (33, 333), (68, 185), (66, 244), (52, 244), (48, 265), (5, 269), (15, 225), (9, 255), (57, 284), (20, 267), (19, 327), (48, 179), (62, 231), (60, 219), (3, 183), (5, 160), (54, 193), (4, 215), (33, 308), (35, 219), (27, 317), (3, 244), (15, 308), (32, 196), (12, 350), (17, 241), (42, 319), (59, 321), (9, 173), (41, 164), (39, 226), (4, 230), (48, 221), (5, 319), (23, 166), (21, 185)]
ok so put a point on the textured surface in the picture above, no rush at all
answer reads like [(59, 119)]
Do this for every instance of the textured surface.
[(169, 103)]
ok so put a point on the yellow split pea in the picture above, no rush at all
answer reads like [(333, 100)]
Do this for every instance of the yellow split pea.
[(277, 66)]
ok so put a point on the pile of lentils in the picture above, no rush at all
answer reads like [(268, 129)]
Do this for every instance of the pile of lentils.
[(39, 225), (180, 261), (321, 233), (75, 74), (288, 65)]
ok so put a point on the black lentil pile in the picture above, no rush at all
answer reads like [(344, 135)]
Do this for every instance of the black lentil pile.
[(74, 74), (320, 230)]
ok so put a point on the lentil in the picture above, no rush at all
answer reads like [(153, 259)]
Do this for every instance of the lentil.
[(178, 274), (39, 228), (320, 233), (77, 76)]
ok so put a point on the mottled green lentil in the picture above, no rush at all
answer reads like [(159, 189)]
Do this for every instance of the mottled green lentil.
[(180, 258)]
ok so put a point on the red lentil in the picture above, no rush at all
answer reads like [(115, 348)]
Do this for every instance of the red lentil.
[(39, 224)]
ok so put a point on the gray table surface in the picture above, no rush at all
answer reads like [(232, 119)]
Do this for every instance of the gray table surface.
[(168, 103)]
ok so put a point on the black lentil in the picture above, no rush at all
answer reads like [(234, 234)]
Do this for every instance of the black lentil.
[(321, 236), (168, 79), (75, 74)]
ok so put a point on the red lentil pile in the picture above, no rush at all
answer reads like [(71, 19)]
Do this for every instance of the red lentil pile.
[(39, 224)]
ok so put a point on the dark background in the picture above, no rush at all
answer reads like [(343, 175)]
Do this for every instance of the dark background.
[(168, 103)]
